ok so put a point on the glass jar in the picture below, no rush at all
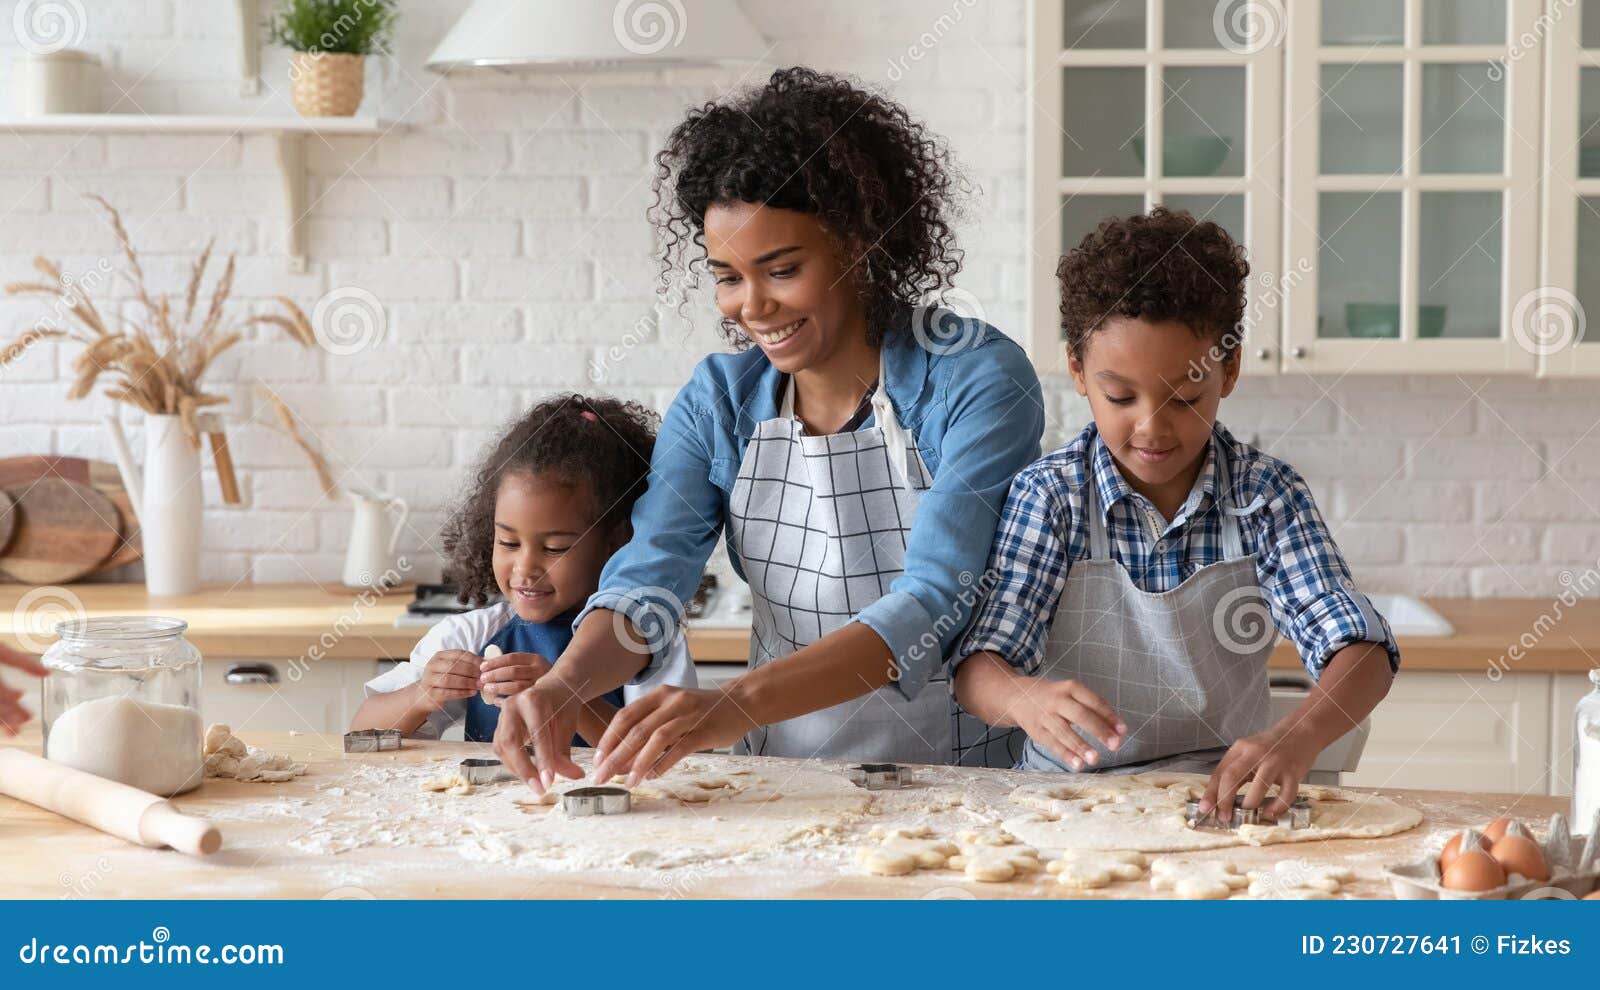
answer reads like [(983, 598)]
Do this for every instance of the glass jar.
[(122, 701), (1586, 759)]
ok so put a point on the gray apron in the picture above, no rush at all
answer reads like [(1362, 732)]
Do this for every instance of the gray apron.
[(1186, 669), (819, 525)]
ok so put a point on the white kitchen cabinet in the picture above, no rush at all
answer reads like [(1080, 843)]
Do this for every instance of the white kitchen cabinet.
[(1565, 691), (284, 696)]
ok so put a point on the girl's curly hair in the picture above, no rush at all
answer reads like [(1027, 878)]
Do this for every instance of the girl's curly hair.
[(603, 444), (883, 188), (1161, 265)]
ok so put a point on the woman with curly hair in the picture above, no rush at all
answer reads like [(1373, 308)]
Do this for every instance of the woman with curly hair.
[(855, 457), (1146, 569), (547, 508)]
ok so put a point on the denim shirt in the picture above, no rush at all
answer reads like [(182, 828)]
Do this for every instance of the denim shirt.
[(977, 416)]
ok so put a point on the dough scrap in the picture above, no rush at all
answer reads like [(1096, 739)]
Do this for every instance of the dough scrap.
[(987, 837), (1299, 879), (228, 758), (996, 864), (904, 850), (1196, 880), (698, 788), (450, 783), (1145, 812), (1085, 869)]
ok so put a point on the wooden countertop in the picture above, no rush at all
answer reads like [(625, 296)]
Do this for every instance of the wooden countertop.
[(45, 856), (286, 621)]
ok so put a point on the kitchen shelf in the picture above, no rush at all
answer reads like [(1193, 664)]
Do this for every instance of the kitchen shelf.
[(289, 135)]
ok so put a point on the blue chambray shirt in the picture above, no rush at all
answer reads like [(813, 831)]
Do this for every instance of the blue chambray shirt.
[(977, 416), (1301, 572)]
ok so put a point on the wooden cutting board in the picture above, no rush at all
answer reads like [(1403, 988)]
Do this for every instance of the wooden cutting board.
[(99, 475), (64, 531)]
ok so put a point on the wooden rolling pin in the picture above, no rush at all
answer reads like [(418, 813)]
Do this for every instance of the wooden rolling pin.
[(123, 811)]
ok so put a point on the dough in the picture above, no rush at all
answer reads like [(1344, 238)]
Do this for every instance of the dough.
[(988, 837), (697, 789), (996, 864), (489, 653), (144, 744), (227, 757), (1085, 869), (450, 783), (1145, 812), (1196, 880), (904, 850), (1298, 879)]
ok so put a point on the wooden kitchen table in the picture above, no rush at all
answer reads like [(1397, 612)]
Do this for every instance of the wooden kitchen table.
[(45, 856)]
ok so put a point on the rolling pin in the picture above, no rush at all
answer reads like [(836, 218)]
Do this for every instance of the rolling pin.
[(123, 811)]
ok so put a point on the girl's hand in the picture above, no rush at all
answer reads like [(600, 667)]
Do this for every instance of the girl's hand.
[(511, 673), (647, 737), (1058, 714), (450, 675), (12, 714)]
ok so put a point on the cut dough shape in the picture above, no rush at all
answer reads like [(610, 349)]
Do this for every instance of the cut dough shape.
[(1084, 869), (531, 800), (996, 864), (1197, 880), (489, 653), (697, 789), (1298, 879), (904, 850), (451, 783), (1145, 812), (987, 837)]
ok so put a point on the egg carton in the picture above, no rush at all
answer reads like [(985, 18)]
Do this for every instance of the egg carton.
[(1574, 862)]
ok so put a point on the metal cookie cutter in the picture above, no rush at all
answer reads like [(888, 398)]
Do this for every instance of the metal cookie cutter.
[(478, 771), (1298, 815), (371, 740), (882, 776), (582, 801)]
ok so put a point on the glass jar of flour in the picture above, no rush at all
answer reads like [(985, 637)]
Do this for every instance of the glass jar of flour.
[(122, 701), (1586, 759)]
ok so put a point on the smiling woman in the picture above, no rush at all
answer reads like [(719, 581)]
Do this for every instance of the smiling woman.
[(856, 475)]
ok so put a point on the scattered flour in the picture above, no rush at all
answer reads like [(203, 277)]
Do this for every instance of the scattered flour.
[(144, 744)]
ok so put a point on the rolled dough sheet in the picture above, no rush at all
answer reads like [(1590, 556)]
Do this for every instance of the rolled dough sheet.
[(1145, 813)]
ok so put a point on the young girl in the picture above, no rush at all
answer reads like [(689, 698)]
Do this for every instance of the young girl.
[(549, 507)]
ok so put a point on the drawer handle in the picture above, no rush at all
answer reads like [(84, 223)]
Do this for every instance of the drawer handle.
[(251, 673), (1289, 682)]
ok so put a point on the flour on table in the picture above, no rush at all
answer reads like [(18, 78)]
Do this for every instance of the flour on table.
[(144, 744), (1145, 813), (227, 757), (1196, 880)]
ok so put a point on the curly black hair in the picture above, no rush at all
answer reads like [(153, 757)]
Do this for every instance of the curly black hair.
[(1161, 265), (604, 444), (883, 187)]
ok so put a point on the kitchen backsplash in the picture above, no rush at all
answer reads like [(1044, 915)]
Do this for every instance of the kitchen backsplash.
[(501, 231)]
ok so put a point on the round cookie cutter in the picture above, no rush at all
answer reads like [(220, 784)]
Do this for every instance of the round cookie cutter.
[(584, 801)]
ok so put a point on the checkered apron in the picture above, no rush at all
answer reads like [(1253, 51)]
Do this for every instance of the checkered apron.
[(1185, 668), (819, 525)]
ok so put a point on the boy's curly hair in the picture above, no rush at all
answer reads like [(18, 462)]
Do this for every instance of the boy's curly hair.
[(608, 453), (883, 188), (1156, 266)]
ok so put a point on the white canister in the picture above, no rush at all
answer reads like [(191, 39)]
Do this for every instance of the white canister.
[(67, 81), (1586, 759)]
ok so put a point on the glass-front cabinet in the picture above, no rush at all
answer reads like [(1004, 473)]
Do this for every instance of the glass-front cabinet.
[(1115, 80), (1417, 181)]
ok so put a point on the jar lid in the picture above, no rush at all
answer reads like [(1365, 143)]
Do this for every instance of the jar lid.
[(122, 628), (1594, 677)]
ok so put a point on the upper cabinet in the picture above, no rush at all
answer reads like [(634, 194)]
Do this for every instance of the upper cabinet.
[(1409, 176), (1113, 81)]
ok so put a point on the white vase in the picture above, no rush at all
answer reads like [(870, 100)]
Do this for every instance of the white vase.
[(374, 533), (167, 501)]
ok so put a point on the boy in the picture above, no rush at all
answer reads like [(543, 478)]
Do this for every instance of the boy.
[(1142, 567)]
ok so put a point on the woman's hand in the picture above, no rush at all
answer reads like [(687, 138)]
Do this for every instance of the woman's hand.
[(511, 673), (449, 676), (1279, 756), (544, 716), (12, 715), (647, 737), (1058, 714)]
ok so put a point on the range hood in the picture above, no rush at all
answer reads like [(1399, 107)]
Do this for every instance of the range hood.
[(598, 34)]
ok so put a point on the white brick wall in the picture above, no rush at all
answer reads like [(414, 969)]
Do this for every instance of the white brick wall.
[(503, 232)]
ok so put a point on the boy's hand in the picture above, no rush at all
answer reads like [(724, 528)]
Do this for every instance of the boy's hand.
[(511, 673), (1058, 714), (450, 675), (1277, 756)]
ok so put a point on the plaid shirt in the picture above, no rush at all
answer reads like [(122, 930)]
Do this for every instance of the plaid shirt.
[(1042, 531)]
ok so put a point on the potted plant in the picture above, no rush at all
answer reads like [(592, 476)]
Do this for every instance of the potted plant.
[(331, 40)]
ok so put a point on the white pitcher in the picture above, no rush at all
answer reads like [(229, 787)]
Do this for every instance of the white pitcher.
[(374, 533), (167, 501)]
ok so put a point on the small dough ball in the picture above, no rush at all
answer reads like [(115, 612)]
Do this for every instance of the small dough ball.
[(886, 862), (216, 735)]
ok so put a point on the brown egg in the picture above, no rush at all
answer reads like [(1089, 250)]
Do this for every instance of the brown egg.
[(1520, 854), (1452, 849), (1496, 830), (1474, 870)]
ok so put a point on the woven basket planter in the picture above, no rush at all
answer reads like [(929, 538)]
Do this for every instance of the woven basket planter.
[(326, 84)]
